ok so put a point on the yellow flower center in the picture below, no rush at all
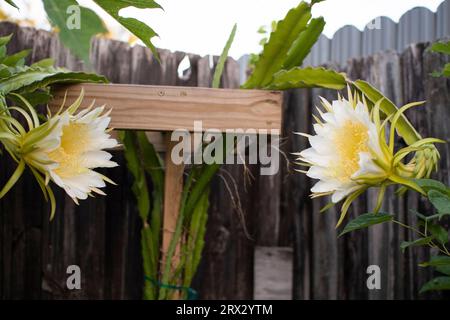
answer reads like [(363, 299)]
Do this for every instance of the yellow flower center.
[(350, 140), (73, 141)]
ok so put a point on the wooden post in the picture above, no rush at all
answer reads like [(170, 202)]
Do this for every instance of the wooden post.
[(173, 187)]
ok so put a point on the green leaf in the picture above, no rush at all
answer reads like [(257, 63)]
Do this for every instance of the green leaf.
[(13, 179), (437, 284), (11, 3), (139, 186), (4, 71), (2, 52), (405, 129), (446, 71), (140, 157), (16, 59), (308, 78), (418, 214), (327, 207), (223, 58), (436, 261), (31, 79), (276, 49), (138, 28), (302, 46), (151, 161), (438, 232), (436, 74), (149, 264), (263, 41), (430, 184), (76, 38), (366, 220), (5, 40), (441, 47), (443, 269), (44, 63), (423, 219), (196, 237), (34, 98), (440, 201), (416, 243), (66, 77)]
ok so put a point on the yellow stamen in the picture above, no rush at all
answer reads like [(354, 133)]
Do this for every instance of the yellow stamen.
[(73, 142), (350, 140)]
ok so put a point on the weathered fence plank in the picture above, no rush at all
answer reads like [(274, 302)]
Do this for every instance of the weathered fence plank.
[(273, 273), (295, 189)]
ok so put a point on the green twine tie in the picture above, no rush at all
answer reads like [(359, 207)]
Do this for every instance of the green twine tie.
[(191, 293)]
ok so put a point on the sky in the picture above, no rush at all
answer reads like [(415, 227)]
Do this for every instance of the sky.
[(203, 26)]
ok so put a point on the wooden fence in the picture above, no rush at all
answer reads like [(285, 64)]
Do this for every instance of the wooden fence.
[(102, 235)]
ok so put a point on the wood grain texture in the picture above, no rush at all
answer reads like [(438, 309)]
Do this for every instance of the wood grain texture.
[(173, 188), (273, 273), (163, 108), (296, 206)]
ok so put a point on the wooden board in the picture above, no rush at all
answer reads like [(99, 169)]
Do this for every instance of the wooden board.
[(173, 188), (158, 108)]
